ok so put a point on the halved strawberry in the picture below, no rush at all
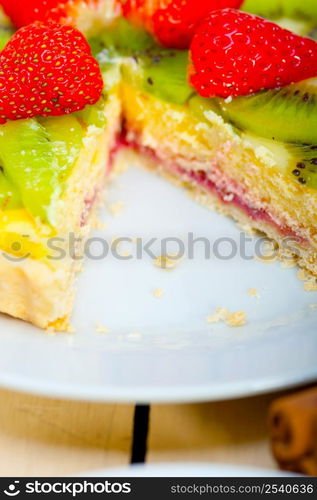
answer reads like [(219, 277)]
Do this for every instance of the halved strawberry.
[(234, 53), (47, 70), (23, 12), (173, 22)]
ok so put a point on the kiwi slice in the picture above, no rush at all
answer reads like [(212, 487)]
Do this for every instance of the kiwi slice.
[(65, 134), (121, 39), (305, 171), (93, 115), (146, 65), (160, 72), (299, 26), (29, 163), (299, 161), (274, 9), (35, 157), (288, 114), (199, 106), (5, 34)]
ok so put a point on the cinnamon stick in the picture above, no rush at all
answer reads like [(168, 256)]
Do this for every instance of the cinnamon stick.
[(293, 429)]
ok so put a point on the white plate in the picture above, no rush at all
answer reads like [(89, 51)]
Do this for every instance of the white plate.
[(162, 349), (188, 469)]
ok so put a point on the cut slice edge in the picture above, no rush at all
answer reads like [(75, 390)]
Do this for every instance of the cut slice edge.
[(38, 270)]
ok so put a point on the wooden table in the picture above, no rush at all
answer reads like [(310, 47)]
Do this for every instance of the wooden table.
[(40, 436)]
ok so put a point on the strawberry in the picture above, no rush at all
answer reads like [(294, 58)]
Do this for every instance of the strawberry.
[(234, 53), (47, 70), (23, 12), (173, 22)]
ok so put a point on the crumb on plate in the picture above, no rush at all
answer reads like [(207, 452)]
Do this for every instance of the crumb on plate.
[(158, 292), (238, 318), (168, 262), (219, 315), (234, 319), (310, 286), (254, 293)]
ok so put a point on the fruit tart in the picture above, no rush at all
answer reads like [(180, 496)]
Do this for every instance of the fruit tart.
[(210, 94)]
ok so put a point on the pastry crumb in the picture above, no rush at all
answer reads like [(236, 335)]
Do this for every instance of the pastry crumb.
[(313, 306), (234, 319), (167, 261), (219, 315), (310, 282), (238, 318), (101, 329), (158, 292), (310, 286), (254, 293), (116, 208)]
